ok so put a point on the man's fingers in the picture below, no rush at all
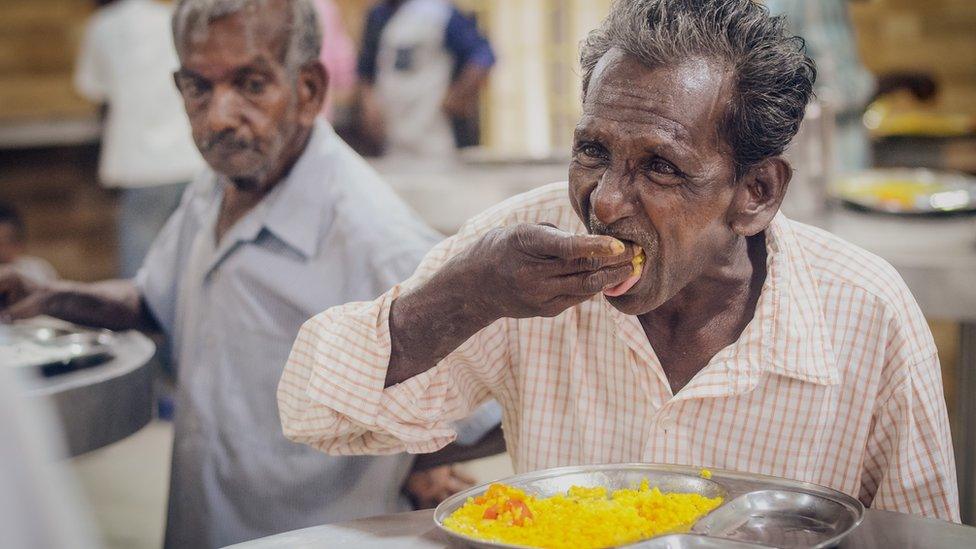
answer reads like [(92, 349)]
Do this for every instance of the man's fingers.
[(544, 241), (25, 308), (591, 283), (596, 263)]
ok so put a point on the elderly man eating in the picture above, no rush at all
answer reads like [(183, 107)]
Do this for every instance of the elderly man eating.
[(658, 308), (286, 221)]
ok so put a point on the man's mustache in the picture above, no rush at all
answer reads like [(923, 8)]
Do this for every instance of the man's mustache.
[(597, 227), (227, 139), (628, 232)]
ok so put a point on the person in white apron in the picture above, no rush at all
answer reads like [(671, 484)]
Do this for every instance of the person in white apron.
[(422, 61)]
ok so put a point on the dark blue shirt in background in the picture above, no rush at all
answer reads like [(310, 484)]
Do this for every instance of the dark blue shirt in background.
[(461, 38)]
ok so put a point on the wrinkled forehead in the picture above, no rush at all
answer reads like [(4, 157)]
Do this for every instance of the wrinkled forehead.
[(688, 100), (258, 27)]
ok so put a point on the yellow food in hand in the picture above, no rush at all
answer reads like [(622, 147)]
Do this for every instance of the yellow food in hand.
[(638, 261), (582, 518)]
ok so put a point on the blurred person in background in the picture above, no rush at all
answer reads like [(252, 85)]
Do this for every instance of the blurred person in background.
[(286, 220), (422, 62), (126, 62), (12, 248), (844, 84), (338, 56)]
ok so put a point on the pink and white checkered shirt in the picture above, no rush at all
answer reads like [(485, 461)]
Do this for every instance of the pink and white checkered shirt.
[(835, 381)]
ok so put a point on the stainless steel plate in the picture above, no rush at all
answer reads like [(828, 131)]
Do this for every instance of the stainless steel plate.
[(762, 510), (52, 345), (781, 518), (690, 541)]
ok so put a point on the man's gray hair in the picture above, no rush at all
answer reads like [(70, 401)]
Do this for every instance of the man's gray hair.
[(772, 77), (304, 33)]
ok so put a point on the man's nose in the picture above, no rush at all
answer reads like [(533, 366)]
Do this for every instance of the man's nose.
[(224, 112), (613, 198)]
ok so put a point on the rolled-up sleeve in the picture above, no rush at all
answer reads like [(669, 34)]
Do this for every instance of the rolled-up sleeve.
[(332, 396)]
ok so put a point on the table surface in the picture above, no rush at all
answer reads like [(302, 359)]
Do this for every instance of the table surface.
[(416, 530), (106, 403)]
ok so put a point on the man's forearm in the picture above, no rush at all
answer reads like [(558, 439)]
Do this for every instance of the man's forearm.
[(113, 304), (430, 322)]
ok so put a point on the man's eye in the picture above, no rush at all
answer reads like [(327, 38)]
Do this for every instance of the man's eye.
[(193, 89), (592, 151), (254, 86), (662, 167)]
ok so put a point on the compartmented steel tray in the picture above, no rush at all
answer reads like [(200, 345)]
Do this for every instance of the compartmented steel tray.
[(758, 510)]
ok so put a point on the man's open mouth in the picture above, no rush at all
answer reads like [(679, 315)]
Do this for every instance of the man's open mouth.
[(638, 269)]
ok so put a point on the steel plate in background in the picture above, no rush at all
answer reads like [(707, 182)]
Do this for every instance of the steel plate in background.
[(907, 191)]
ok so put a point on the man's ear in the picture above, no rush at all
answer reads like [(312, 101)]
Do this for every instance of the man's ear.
[(313, 81), (758, 196)]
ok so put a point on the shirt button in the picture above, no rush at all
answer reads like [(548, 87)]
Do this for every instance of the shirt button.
[(666, 423)]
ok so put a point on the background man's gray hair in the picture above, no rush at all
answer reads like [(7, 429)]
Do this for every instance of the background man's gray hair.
[(772, 77), (305, 33)]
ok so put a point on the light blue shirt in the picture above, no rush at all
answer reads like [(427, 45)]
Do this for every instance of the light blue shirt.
[(330, 233)]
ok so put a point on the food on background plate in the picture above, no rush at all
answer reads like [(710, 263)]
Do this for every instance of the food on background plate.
[(901, 116), (907, 190), (581, 518)]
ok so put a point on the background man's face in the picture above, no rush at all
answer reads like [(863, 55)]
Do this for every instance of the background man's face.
[(239, 96), (650, 167)]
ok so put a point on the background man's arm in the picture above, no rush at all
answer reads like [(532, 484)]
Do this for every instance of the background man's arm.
[(113, 304), (372, 118), (475, 59)]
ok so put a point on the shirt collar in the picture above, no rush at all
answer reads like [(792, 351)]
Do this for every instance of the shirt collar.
[(787, 335), (794, 336), (299, 209)]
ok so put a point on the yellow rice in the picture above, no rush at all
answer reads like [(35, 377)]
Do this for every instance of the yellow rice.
[(582, 518)]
